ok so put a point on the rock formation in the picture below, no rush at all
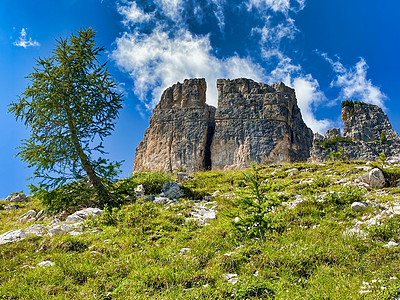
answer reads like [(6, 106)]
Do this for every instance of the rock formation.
[(259, 123), (366, 134), (254, 121), (180, 131)]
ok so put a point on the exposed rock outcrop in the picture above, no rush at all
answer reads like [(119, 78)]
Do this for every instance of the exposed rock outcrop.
[(366, 134), (180, 131), (259, 123)]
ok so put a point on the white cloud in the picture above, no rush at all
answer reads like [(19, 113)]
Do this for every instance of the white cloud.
[(22, 41), (353, 82), (133, 14), (308, 93), (156, 61), (171, 8), (219, 13), (282, 6)]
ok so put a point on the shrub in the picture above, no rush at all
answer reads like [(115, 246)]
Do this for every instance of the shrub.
[(152, 181), (351, 103), (383, 138), (336, 139), (257, 206)]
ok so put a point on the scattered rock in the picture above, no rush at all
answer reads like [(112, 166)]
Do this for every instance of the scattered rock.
[(356, 232), (184, 251), (373, 178), (45, 264), (150, 198), (172, 190), (391, 244), (236, 220), (18, 197), (83, 214), (162, 200), (203, 214), (232, 278), (11, 207), (139, 191), (54, 231), (182, 176), (29, 215), (35, 229), (12, 236), (357, 206)]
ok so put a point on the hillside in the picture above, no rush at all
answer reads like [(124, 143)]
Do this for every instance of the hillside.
[(308, 240)]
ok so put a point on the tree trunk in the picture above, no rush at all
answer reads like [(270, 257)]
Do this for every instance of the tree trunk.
[(93, 178)]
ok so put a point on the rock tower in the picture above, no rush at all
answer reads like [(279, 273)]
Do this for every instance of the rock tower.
[(254, 122)]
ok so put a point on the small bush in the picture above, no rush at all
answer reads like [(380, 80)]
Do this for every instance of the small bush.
[(257, 206), (152, 181), (351, 103), (347, 195)]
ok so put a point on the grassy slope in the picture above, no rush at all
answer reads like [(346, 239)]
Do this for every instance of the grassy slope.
[(136, 255)]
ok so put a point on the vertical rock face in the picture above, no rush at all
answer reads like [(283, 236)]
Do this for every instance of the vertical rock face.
[(259, 123), (362, 132), (366, 122), (180, 131)]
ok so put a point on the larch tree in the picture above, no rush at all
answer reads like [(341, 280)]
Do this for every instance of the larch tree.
[(70, 106)]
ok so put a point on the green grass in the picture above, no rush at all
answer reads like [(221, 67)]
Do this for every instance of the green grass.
[(136, 255)]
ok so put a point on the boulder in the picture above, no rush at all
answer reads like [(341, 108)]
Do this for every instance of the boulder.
[(139, 191), (17, 197), (83, 214), (36, 230), (29, 215), (12, 236), (358, 206), (46, 263), (172, 190), (373, 178)]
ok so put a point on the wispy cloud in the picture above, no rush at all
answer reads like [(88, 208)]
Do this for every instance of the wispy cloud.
[(24, 42), (353, 82), (168, 50), (156, 61)]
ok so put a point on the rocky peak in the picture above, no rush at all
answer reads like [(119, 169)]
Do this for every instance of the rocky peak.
[(190, 93), (257, 122), (366, 122)]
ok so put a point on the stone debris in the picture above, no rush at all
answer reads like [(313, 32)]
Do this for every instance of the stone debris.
[(358, 206), (356, 232), (391, 244), (36, 230), (11, 207), (28, 216), (164, 200), (232, 278), (83, 214), (45, 264), (139, 191), (171, 190), (12, 236), (17, 197), (202, 214), (294, 203), (184, 251), (373, 178)]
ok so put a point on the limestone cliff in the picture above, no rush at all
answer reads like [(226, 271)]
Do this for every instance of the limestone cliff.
[(259, 123), (364, 125), (180, 130)]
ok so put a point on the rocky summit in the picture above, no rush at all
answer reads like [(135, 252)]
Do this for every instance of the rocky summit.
[(180, 131), (259, 123), (254, 122), (366, 134)]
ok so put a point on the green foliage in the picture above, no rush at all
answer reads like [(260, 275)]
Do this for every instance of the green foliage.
[(339, 155), (383, 139), (336, 139), (351, 103), (345, 196), (389, 230), (151, 181), (257, 206), (70, 107)]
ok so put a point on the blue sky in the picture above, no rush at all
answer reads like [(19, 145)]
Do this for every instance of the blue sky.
[(328, 51)]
